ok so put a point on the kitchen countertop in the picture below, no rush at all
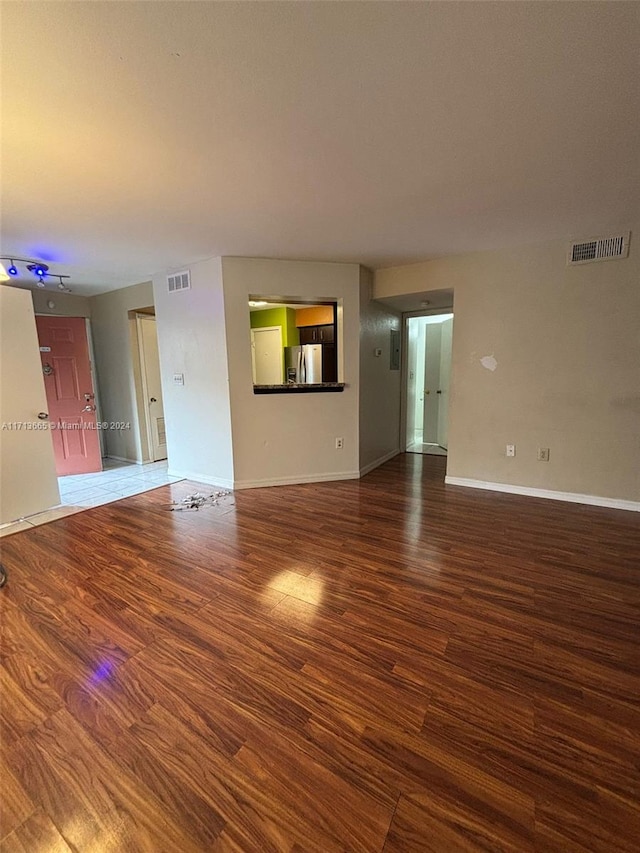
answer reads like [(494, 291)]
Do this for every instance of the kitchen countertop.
[(299, 388)]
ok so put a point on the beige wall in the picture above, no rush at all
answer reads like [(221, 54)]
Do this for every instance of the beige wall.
[(64, 304), (379, 411), (566, 344), (192, 341), (283, 438), (116, 364), (28, 481)]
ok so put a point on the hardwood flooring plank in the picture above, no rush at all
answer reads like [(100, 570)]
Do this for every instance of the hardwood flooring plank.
[(192, 700), (195, 816), (536, 765), (429, 769), (236, 635), (433, 823), (608, 826), (20, 713), (226, 726), (15, 804), (34, 680), (379, 664), (74, 814), (295, 797), (38, 834), (125, 810)]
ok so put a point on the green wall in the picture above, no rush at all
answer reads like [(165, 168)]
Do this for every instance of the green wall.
[(283, 317)]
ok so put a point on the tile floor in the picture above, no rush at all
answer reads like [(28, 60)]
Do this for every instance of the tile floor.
[(418, 446), (82, 491)]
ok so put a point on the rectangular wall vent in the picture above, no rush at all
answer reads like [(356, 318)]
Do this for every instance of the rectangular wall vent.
[(179, 281), (598, 249)]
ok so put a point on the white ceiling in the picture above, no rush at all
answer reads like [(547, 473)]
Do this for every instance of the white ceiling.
[(140, 136)]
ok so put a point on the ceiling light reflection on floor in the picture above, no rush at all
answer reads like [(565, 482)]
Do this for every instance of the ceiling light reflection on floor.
[(308, 588)]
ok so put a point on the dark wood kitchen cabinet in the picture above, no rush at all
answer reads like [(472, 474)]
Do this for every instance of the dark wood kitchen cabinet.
[(307, 334), (317, 334), (329, 363)]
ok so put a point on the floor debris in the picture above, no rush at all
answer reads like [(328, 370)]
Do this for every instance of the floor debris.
[(197, 500)]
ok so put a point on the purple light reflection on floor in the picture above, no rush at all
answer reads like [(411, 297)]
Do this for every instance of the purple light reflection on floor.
[(102, 672)]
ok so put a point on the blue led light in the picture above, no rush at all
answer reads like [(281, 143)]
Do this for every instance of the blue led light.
[(40, 271), (12, 270)]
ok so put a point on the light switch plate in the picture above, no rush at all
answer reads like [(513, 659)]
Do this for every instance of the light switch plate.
[(178, 378)]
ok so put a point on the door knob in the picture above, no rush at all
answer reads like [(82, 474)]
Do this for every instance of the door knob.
[(426, 391), (43, 416), (438, 392), (89, 409), (153, 400)]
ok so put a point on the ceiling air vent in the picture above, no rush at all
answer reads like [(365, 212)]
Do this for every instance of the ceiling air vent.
[(179, 281), (598, 249)]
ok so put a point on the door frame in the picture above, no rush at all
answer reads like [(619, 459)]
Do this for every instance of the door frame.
[(253, 348), (404, 364), (96, 387)]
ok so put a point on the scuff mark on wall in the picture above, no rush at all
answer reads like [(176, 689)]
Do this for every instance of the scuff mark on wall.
[(489, 362)]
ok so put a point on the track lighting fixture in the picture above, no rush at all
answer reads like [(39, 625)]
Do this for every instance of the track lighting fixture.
[(38, 268)]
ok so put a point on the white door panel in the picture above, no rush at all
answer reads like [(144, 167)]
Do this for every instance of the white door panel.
[(431, 383), (446, 341), (267, 356), (152, 385), (28, 482)]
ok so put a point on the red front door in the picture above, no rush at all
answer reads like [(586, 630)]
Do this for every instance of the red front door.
[(70, 394)]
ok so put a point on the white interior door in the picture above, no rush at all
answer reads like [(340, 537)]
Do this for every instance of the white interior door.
[(420, 360), (267, 356), (431, 383), (28, 482), (446, 341), (152, 386), (412, 386)]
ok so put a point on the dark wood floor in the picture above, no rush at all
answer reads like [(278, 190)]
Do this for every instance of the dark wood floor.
[(385, 664)]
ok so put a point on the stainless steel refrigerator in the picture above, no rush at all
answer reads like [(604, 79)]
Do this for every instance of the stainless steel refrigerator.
[(303, 364)]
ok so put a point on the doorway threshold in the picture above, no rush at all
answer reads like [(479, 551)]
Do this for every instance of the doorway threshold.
[(426, 448), (84, 491), (117, 480)]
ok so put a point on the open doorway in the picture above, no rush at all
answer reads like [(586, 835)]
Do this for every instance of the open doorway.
[(135, 358), (98, 413), (149, 389), (428, 371)]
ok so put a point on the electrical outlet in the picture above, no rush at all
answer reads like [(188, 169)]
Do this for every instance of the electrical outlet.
[(511, 450), (339, 443), (543, 454)]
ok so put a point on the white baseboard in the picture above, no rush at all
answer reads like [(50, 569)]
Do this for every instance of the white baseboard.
[(197, 477), (377, 462), (549, 494), (123, 459), (297, 480)]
